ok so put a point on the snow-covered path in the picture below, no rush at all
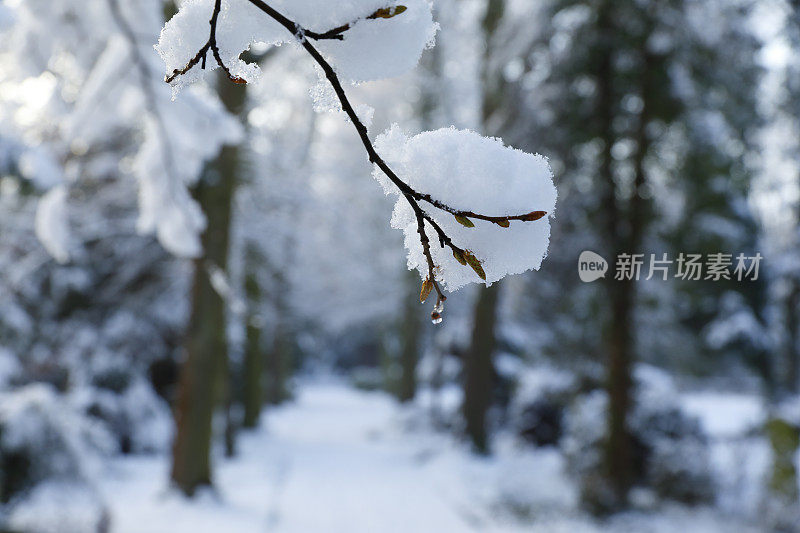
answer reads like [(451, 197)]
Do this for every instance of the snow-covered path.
[(336, 460), (343, 471), (342, 461)]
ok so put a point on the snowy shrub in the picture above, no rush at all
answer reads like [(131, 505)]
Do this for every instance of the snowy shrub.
[(367, 378), (671, 451), (48, 454), (675, 454), (140, 421), (539, 406), (59, 507), (10, 369), (541, 421)]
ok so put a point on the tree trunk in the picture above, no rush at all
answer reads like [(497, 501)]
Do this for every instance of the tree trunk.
[(622, 293), (253, 364), (619, 456), (410, 337), (252, 377), (618, 453), (278, 364), (479, 369), (204, 372)]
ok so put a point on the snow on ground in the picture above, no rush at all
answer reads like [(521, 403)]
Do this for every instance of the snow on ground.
[(340, 460), (740, 457), (725, 414)]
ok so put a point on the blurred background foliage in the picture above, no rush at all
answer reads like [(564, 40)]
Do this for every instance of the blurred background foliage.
[(671, 127)]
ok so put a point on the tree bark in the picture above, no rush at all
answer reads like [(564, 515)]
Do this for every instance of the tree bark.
[(479, 369), (619, 456), (278, 365), (253, 364), (203, 378), (409, 352), (625, 237), (618, 452)]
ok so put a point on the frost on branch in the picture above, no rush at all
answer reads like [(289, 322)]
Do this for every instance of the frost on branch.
[(393, 45), (471, 173)]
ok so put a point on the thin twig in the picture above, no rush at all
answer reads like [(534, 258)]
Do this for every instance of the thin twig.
[(211, 45)]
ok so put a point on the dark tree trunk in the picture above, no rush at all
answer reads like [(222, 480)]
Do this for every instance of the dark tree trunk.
[(203, 380), (625, 230), (479, 369), (278, 365), (410, 338), (252, 377), (253, 364), (618, 455)]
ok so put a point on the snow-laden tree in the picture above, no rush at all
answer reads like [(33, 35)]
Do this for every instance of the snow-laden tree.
[(82, 91), (84, 103), (86, 118), (471, 208)]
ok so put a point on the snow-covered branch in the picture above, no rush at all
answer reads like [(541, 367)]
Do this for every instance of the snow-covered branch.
[(434, 271)]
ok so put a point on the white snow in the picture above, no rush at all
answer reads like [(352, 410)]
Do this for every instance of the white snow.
[(725, 414), (478, 174), (383, 48), (52, 224), (41, 167), (198, 126), (58, 507)]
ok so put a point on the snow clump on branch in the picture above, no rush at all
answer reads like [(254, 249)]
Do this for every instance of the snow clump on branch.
[(473, 173), (369, 50)]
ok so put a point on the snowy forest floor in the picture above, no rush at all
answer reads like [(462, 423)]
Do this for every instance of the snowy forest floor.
[(341, 460)]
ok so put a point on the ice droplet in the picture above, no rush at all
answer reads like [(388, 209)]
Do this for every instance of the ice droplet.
[(436, 315)]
